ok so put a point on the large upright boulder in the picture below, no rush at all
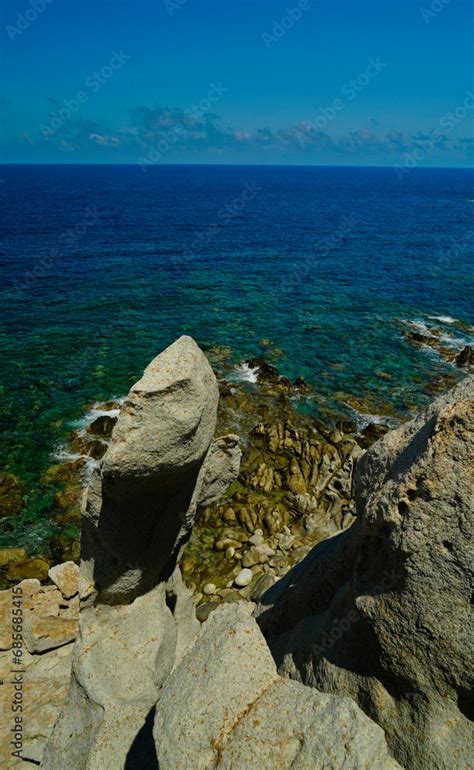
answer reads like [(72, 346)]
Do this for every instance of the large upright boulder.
[(383, 611), (137, 618), (140, 495)]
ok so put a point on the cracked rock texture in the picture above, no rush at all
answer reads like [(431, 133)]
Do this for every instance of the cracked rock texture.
[(226, 707), (383, 612)]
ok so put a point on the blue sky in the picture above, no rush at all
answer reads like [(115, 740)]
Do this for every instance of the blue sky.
[(380, 82)]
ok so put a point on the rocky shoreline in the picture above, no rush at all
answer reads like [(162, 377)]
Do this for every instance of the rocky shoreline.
[(293, 489), (273, 428), (331, 584)]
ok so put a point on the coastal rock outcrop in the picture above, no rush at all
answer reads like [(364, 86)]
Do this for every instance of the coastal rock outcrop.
[(225, 706), (383, 611), (359, 656), (293, 490), (137, 618)]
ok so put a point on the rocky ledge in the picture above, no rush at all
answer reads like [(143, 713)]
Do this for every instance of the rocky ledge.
[(359, 656)]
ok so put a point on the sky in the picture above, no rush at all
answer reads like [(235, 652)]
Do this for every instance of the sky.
[(346, 82)]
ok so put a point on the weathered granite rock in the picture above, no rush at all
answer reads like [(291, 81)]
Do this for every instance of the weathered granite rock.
[(225, 707), (383, 611), (47, 632), (137, 618), (44, 688), (116, 681), (159, 470), (66, 577)]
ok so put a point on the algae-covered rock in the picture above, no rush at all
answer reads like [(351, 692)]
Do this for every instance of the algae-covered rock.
[(12, 491), (34, 567)]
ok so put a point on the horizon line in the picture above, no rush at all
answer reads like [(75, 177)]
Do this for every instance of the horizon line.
[(243, 165)]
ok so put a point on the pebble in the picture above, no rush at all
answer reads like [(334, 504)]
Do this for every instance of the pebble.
[(264, 550), (243, 578), (250, 559), (209, 589), (230, 551), (256, 540)]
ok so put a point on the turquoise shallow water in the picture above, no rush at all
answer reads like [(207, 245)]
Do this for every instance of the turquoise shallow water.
[(315, 268)]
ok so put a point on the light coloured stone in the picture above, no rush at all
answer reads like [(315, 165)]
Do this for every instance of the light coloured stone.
[(137, 618), (292, 726), (225, 707), (66, 577), (161, 468), (45, 685), (43, 633), (117, 672), (5, 620), (209, 589), (227, 668), (243, 578), (44, 603)]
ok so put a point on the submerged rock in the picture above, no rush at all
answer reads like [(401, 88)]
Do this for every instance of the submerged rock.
[(34, 567), (465, 357), (12, 491)]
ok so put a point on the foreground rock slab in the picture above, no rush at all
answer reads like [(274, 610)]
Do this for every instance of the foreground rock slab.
[(383, 612), (225, 706)]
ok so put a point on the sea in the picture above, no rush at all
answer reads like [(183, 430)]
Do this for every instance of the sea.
[(319, 270)]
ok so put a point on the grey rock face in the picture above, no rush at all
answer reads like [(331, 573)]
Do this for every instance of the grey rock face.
[(383, 611), (138, 503), (225, 706), (137, 618), (120, 659)]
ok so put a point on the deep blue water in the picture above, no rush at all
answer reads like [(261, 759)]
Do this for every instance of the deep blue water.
[(103, 266)]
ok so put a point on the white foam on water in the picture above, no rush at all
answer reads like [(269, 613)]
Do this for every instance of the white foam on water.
[(63, 455), (94, 413), (363, 420), (444, 319), (450, 340), (244, 373)]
